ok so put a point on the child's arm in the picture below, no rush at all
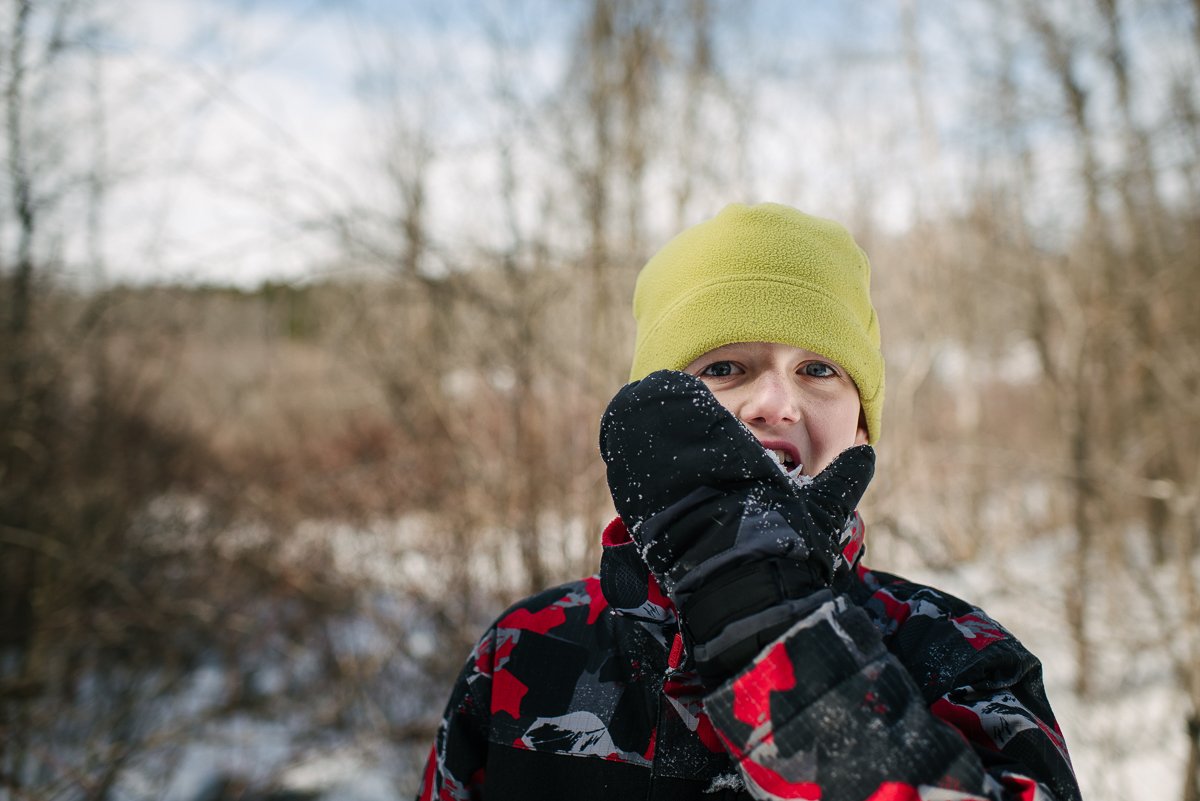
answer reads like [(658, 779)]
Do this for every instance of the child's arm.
[(828, 712), (455, 768)]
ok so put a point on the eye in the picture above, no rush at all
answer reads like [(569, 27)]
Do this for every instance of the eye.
[(819, 370), (718, 370)]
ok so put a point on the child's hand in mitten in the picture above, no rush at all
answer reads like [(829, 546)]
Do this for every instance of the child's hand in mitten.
[(741, 549)]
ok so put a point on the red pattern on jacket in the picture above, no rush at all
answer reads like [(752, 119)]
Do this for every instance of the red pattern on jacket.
[(892, 691)]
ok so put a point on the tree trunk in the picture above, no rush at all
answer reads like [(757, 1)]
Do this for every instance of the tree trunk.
[(1191, 770)]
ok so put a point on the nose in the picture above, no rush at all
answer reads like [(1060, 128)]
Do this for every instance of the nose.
[(770, 400)]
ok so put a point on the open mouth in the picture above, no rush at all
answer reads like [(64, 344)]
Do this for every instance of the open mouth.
[(785, 454), (783, 459), (787, 457)]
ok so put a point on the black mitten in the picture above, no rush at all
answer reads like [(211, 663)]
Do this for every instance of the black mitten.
[(741, 549)]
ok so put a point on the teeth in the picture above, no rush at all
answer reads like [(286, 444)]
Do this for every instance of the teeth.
[(781, 456)]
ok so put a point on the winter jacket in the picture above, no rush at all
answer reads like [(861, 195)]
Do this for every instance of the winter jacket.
[(891, 691)]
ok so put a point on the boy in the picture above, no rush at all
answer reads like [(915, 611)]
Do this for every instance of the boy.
[(732, 645)]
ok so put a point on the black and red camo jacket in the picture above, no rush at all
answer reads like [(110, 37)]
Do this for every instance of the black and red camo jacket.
[(891, 691)]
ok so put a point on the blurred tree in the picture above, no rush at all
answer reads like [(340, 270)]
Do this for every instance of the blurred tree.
[(1107, 307), (442, 401)]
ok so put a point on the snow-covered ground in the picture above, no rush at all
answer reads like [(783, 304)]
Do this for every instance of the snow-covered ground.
[(1126, 740)]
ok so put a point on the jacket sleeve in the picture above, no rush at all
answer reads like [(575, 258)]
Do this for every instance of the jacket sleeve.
[(955, 710), (454, 770)]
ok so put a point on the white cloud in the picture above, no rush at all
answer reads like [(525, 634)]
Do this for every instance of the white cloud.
[(231, 126)]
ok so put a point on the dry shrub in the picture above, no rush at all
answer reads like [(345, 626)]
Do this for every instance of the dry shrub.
[(116, 584)]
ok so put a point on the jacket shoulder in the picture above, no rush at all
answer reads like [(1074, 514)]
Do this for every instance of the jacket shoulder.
[(896, 600), (943, 640), (557, 610)]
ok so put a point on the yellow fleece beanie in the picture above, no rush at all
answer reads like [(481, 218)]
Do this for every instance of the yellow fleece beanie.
[(765, 273)]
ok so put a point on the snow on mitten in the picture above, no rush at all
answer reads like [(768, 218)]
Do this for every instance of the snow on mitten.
[(741, 549)]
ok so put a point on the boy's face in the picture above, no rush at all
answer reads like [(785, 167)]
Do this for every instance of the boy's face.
[(796, 402)]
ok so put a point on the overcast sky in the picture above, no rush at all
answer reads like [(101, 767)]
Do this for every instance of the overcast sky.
[(243, 117), (236, 130)]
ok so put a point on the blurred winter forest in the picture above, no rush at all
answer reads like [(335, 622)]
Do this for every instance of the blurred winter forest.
[(250, 528)]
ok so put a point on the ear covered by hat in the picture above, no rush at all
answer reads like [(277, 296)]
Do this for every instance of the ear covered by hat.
[(764, 273)]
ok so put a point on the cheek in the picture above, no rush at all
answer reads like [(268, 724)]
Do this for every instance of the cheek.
[(837, 429)]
